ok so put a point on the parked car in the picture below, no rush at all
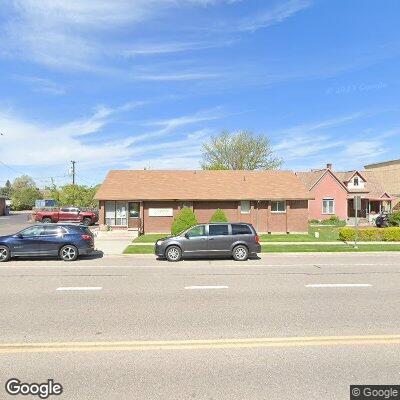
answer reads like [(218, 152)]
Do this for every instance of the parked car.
[(66, 241), (217, 239), (67, 214), (382, 220)]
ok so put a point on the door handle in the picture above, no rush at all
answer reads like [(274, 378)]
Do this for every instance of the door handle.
[(211, 238)]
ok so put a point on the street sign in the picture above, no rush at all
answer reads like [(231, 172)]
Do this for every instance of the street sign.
[(357, 203)]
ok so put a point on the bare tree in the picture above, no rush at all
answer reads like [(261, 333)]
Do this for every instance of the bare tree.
[(242, 150)]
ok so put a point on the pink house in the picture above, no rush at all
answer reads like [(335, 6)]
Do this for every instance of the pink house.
[(334, 193)]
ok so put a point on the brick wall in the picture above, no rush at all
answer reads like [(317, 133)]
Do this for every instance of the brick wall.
[(294, 220), (2, 206)]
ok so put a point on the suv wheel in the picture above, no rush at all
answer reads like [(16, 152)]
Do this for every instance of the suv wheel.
[(87, 221), (173, 253), (68, 253), (240, 253), (46, 220), (5, 254)]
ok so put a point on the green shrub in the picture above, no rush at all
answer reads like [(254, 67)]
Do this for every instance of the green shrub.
[(391, 234), (184, 220), (370, 234), (347, 234), (394, 219), (333, 220), (219, 216), (314, 221)]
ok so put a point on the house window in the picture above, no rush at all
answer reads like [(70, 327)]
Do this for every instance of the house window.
[(245, 207), (278, 206), (355, 181), (328, 206)]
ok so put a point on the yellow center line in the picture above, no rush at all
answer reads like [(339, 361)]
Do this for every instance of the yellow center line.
[(162, 345)]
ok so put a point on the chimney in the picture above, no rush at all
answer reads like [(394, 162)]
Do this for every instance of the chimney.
[(329, 166)]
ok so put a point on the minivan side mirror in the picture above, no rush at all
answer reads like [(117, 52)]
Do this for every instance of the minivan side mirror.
[(187, 236)]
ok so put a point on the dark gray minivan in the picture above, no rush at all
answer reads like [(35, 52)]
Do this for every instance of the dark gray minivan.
[(209, 240)]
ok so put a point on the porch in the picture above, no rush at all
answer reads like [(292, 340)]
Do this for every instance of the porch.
[(370, 208)]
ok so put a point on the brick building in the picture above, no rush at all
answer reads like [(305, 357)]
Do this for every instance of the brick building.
[(273, 201), (2, 205)]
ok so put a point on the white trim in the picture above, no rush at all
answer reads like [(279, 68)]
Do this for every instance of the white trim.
[(334, 205)]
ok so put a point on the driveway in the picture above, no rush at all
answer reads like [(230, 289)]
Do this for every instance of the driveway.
[(14, 222)]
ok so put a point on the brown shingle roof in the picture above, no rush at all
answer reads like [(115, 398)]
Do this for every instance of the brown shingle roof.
[(202, 185), (309, 178)]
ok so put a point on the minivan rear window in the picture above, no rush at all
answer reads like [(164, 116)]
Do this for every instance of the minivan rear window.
[(218, 230), (239, 229)]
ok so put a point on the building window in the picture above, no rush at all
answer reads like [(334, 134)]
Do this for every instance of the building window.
[(356, 182), (115, 213), (328, 206), (278, 206), (134, 210), (187, 204), (245, 207)]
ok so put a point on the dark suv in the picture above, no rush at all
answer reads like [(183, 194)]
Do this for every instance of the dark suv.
[(66, 241), (208, 240)]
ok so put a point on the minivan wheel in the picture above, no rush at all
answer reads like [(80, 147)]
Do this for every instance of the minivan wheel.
[(46, 220), (173, 253), (68, 253), (5, 254), (240, 253)]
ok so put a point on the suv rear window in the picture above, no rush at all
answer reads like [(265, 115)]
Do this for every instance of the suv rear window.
[(217, 230), (238, 229)]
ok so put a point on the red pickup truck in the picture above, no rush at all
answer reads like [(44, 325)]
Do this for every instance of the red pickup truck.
[(67, 214)]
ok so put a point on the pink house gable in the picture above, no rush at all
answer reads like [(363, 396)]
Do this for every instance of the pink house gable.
[(328, 187)]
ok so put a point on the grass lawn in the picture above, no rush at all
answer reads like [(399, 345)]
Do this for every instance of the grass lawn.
[(144, 249), (292, 248), (150, 237), (326, 234)]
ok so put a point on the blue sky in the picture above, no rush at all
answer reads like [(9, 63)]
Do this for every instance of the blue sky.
[(142, 83)]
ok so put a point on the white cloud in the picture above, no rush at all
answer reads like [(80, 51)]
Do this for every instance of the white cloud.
[(271, 16), (38, 145), (43, 85)]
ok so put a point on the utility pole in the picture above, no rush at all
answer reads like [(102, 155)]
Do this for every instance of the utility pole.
[(73, 171)]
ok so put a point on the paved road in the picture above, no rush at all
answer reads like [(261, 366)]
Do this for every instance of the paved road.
[(236, 316)]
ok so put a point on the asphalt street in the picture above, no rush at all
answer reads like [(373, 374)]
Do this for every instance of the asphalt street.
[(271, 328)]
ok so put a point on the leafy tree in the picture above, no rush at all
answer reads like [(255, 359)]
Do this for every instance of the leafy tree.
[(242, 150), (24, 192), (184, 220), (6, 190), (219, 216), (76, 195), (394, 219)]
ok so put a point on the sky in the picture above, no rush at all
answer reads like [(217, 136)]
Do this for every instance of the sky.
[(133, 84)]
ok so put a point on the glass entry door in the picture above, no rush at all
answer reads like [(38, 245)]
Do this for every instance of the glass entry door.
[(120, 211), (116, 213)]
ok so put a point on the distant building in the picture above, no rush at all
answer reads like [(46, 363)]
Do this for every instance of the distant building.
[(334, 193), (273, 201), (388, 172), (3, 205)]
